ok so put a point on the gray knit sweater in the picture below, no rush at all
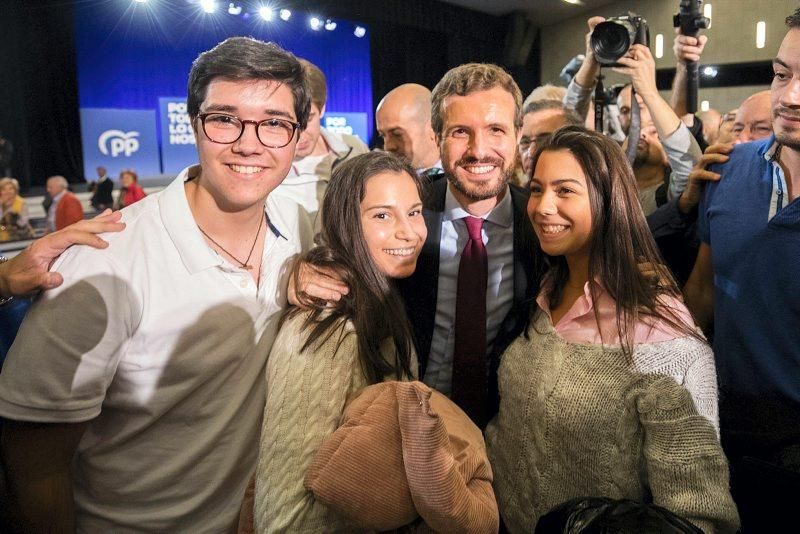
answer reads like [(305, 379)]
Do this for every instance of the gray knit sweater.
[(307, 391), (581, 420)]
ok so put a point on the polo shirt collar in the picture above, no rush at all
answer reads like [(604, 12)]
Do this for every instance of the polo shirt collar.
[(182, 228), (502, 214)]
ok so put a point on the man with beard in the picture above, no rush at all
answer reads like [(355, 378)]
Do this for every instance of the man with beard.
[(466, 297), (745, 278)]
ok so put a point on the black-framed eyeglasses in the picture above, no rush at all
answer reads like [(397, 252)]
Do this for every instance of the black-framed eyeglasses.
[(526, 142), (226, 129)]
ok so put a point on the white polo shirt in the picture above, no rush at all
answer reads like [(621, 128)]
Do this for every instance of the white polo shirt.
[(162, 345)]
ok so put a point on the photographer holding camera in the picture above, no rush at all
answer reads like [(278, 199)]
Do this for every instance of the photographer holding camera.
[(663, 161)]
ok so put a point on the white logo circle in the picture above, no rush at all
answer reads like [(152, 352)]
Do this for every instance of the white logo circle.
[(116, 142)]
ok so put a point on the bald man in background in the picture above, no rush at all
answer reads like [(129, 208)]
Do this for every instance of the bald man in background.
[(403, 119), (753, 118)]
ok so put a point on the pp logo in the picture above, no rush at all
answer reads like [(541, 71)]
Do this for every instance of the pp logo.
[(115, 142)]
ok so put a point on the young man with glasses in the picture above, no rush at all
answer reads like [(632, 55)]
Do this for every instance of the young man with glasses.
[(134, 392)]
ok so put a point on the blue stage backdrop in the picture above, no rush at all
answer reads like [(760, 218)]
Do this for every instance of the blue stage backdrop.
[(131, 55), (119, 139)]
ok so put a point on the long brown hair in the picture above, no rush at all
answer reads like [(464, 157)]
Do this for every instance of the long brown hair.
[(620, 239), (372, 304)]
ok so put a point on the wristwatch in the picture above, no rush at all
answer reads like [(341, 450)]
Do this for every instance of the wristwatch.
[(4, 300)]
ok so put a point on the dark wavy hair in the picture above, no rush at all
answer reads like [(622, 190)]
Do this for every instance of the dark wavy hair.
[(793, 20), (470, 78), (372, 304), (245, 58), (620, 239)]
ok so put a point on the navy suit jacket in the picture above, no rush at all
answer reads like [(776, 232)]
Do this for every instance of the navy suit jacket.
[(419, 291)]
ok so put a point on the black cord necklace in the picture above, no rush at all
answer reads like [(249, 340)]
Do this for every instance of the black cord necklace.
[(244, 264)]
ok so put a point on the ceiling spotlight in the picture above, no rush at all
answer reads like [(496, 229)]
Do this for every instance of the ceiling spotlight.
[(315, 23), (711, 72), (360, 31), (265, 12), (209, 6), (330, 25), (233, 9), (285, 14)]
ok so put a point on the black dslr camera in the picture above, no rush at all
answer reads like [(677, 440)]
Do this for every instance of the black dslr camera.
[(611, 39)]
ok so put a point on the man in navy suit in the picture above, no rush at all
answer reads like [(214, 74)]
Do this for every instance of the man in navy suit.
[(477, 118)]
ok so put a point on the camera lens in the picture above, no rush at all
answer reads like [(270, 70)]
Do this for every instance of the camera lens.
[(610, 40)]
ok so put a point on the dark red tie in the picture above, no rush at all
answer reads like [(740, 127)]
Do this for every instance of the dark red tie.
[(469, 354)]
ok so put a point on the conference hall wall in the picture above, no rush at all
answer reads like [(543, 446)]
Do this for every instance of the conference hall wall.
[(739, 64), (133, 61)]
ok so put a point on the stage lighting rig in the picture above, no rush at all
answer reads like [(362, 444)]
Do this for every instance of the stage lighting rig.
[(330, 25), (233, 9), (360, 31), (315, 23), (285, 14)]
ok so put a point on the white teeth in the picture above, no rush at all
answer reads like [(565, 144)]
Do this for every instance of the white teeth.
[(553, 228), (399, 251), (246, 169), (483, 169)]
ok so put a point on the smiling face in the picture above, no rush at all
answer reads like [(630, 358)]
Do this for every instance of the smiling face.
[(559, 206), (240, 175), (391, 219), (479, 144), (785, 91)]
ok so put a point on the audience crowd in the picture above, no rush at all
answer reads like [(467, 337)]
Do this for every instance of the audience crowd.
[(500, 322)]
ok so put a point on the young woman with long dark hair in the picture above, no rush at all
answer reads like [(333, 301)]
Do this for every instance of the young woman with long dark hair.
[(611, 392), (372, 232)]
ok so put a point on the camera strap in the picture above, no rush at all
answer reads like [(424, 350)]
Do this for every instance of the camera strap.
[(635, 128), (599, 104)]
